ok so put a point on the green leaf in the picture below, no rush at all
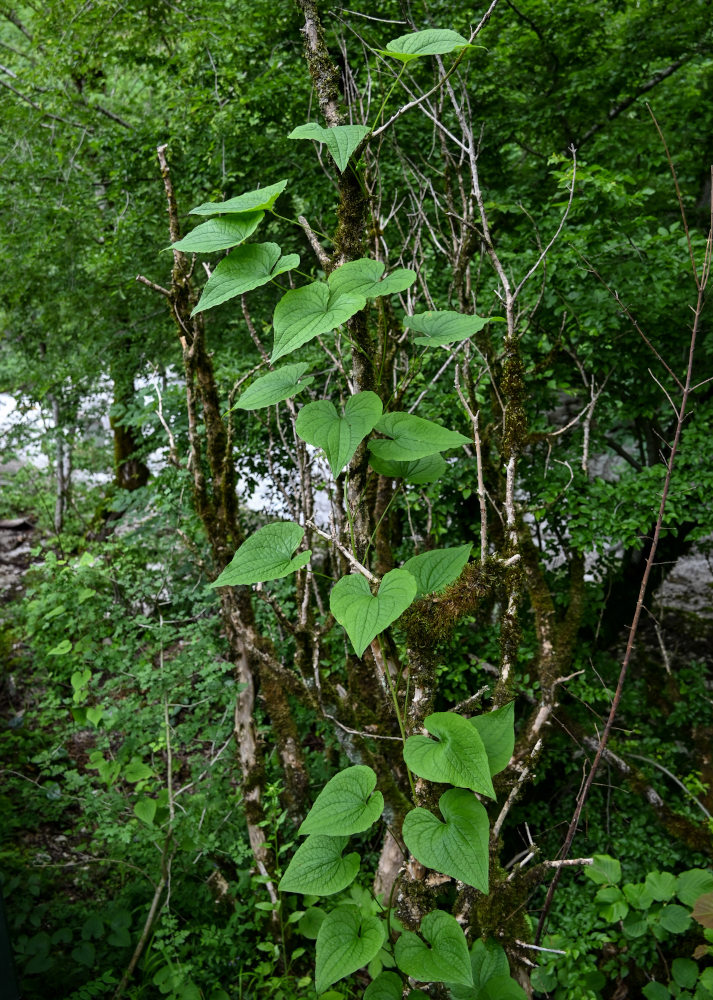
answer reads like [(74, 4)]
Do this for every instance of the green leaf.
[(638, 895), (413, 437), (136, 770), (655, 991), (318, 868), (259, 200), (61, 649), (310, 922), (219, 234), (604, 870), (422, 471), (692, 884), (685, 972), (435, 570), (497, 731), (363, 615), (341, 140), (363, 277), (612, 903), (635, 924), (347, 804), (489, 963), (245, 268), (457, 755), (458, 847), (319, 424), (272, 388), (145, 809), (444, 327), (305, 313), (346, 942), (386, 986), (502, 988), (675, 919), (445, 961), (266, 555), (661, 885), (431, 42)]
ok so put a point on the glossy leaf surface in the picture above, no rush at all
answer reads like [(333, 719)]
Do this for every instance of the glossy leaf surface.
[(444, 327), (341, 140), (247, 267), (457, 847), (252, 201), (431, 42), (272, 388), (220, 234), (420, 472), (266, 555), (438, 568), (319, 424), (497, 731), (305, 313), (346, 942), (365, 277), (347, 804), (443, 956), (364, 615), (457, 755), (413, 437), (318, 868)]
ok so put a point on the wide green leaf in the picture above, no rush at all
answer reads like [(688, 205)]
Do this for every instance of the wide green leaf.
[(661, 885), (364, 615), (341, 140), (434, 570), (457, 755), (491, 972), (420, 472), (319, 424), (305, 313), (442, 957), (364, 277), (346, 942), (431, 42), (247, 267), (259, 200), (318, 868), (444, 327), (497, 731), (266, 555), (604, 870), (386, 986), (347, 804), (691, 885), (272, 388), (459, 846), (219, 234), (413, 437)]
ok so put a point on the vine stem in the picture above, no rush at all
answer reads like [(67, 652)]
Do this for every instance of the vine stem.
[(701, 282), (399, 717)]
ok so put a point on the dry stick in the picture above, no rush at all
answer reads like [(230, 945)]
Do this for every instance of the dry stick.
[(686, 390)]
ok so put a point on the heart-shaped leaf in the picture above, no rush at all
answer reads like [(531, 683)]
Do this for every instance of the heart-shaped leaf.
[(445, 327), (347, 804), (219, 234), (419, 472), (245, 268), (363, 277), (457, 756), (386, 986), (364, 615), (434, 570), (319, 424), (458, 847), (266, 555), (413, 437), (490, 970), (341, 140), (272, 388), (445, 961), (431, 42), (145, 809), (497, 731), (318, 868), (304, 313), (346, 942), (252, 201)]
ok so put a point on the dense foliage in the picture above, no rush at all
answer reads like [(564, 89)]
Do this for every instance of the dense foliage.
[(339, 535)]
